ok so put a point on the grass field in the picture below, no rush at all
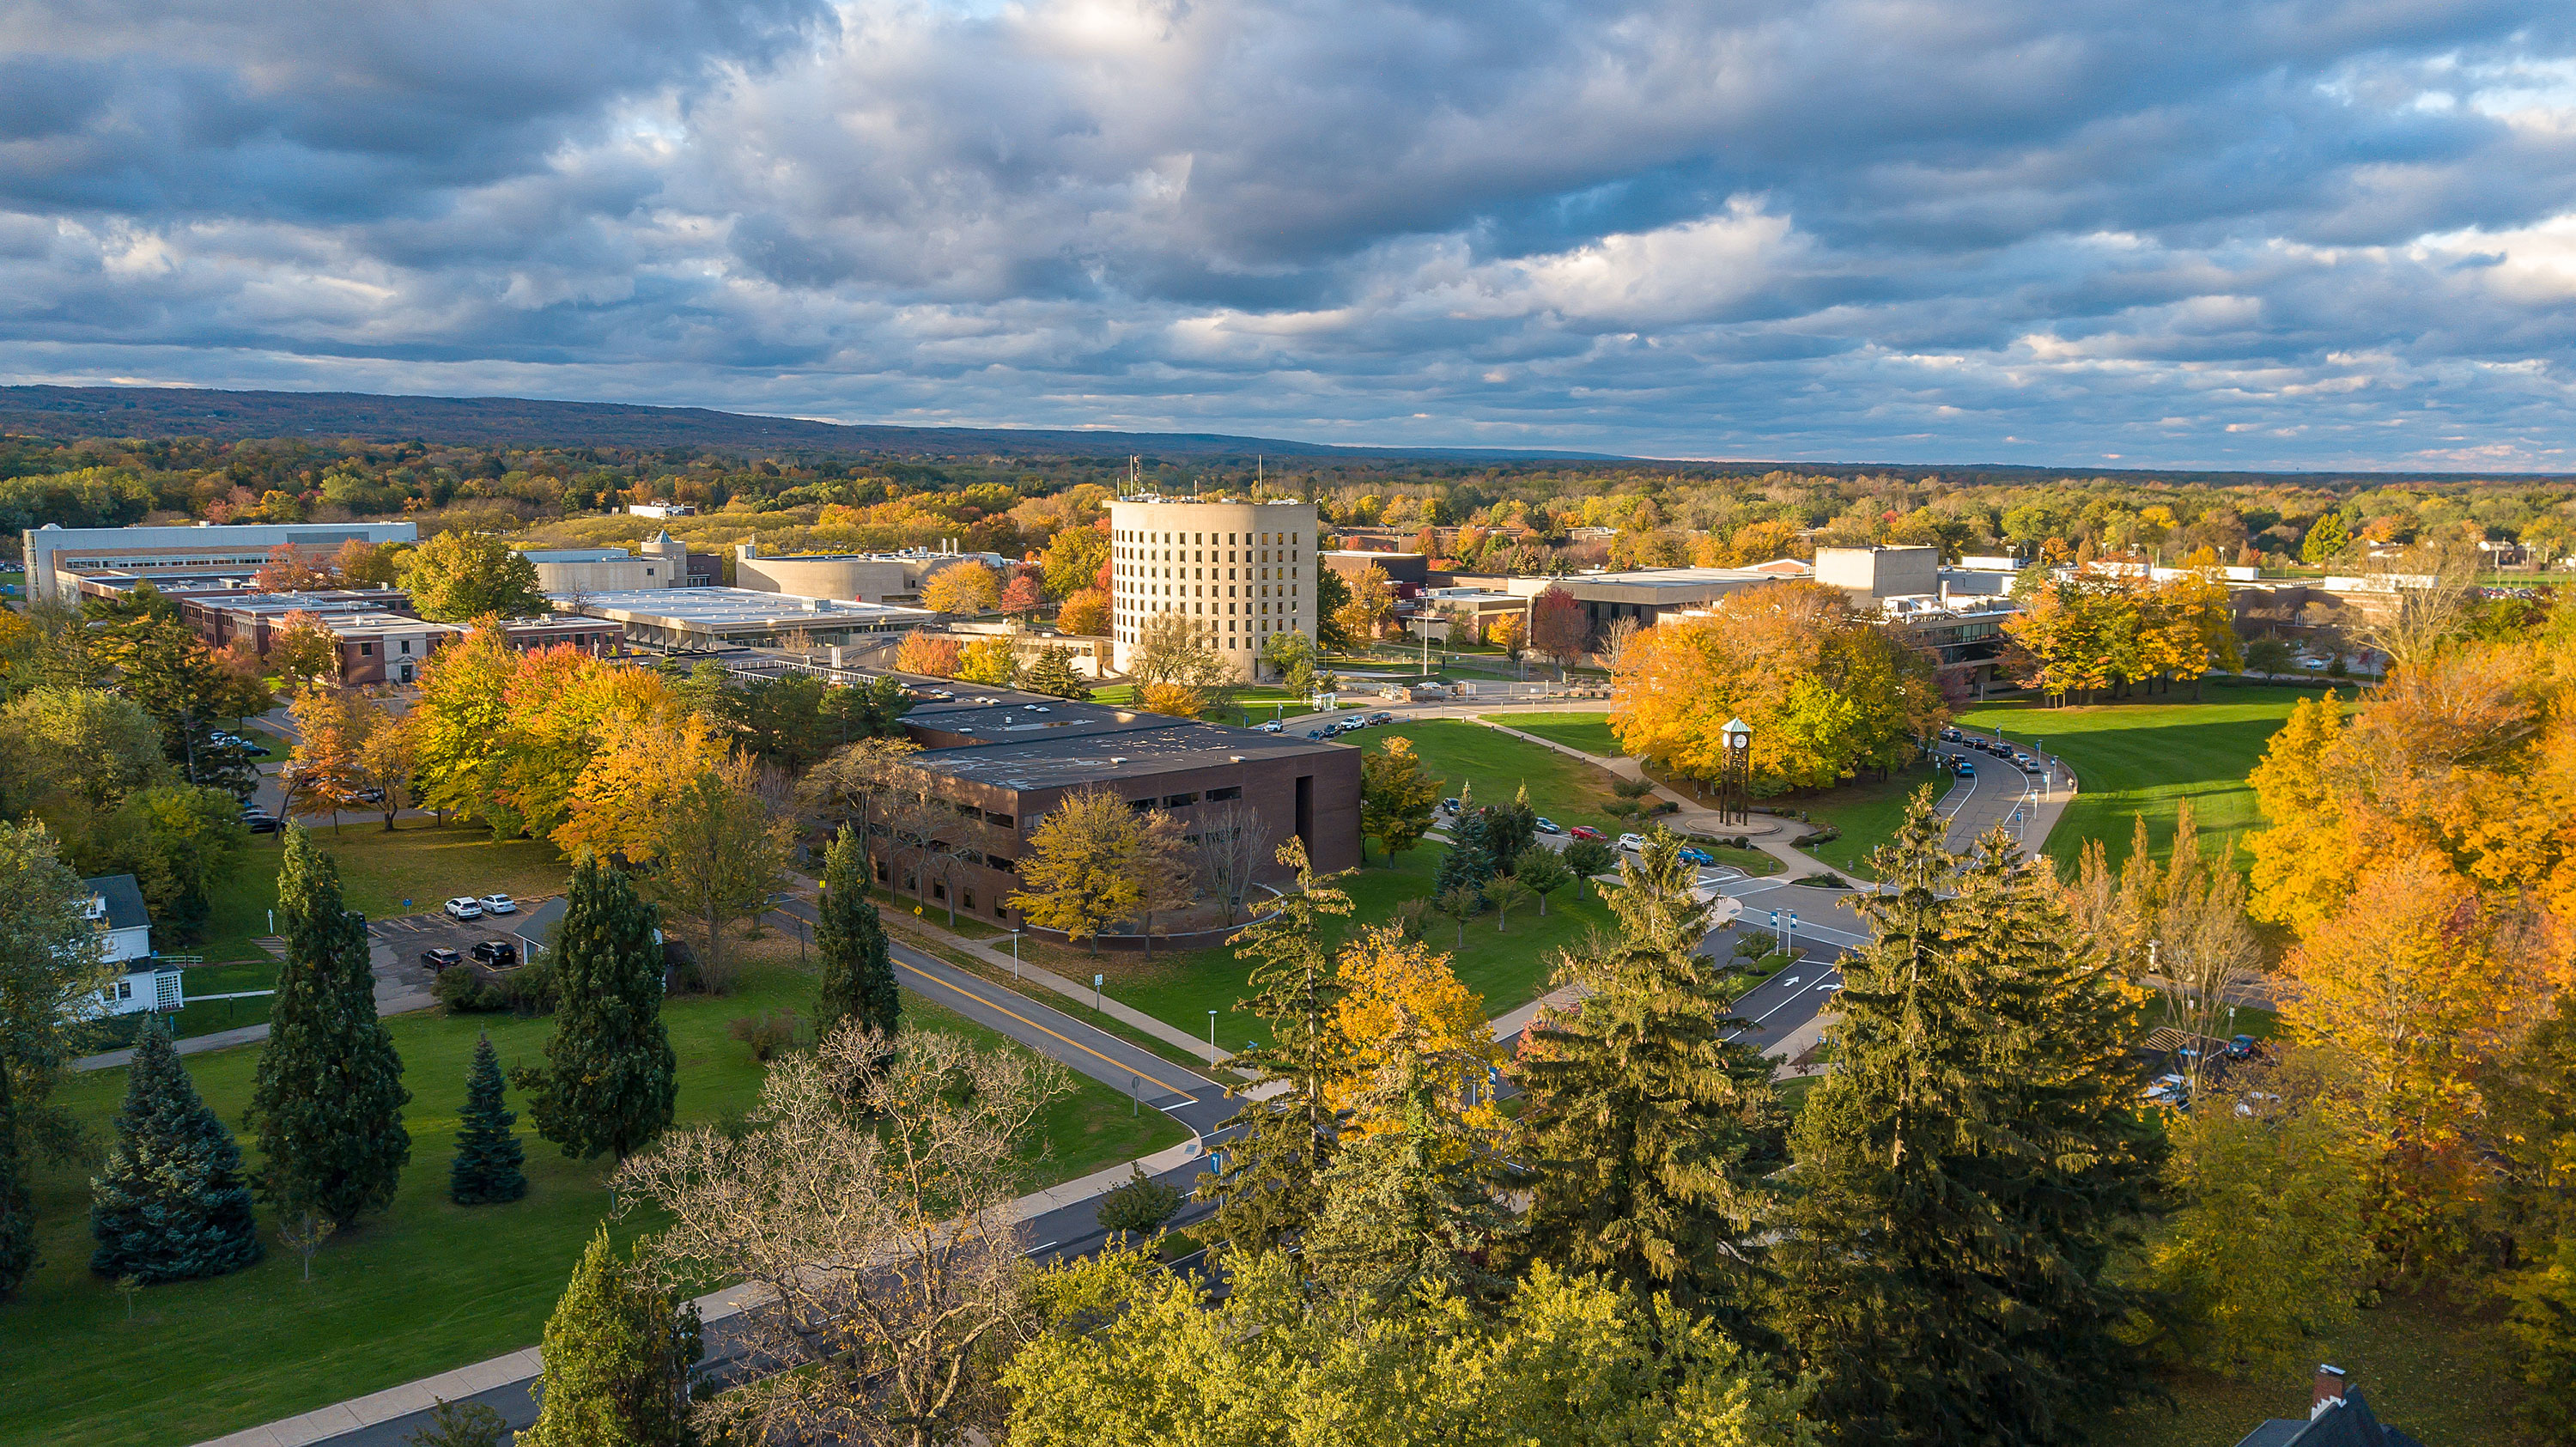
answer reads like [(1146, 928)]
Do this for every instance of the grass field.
[(1507, 967), (425, 1287), (1589, 732), (2147, 755), (1867, 812), (1567, 790), (2427, 1368)]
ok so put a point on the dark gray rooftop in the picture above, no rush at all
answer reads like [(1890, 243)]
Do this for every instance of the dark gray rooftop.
[(1161, 746), (125, 906)]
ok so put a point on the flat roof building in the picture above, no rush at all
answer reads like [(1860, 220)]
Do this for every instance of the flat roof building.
[(57, 556), (1645, 594), (894, 578), (998, 760), (681, 619), (1241, 571), (1866, 573)]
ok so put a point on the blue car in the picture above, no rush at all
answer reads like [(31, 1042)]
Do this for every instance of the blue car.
[(1967, 770), (1697, 856)]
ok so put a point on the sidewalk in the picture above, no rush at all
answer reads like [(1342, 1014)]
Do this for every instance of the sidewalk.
[(527, 1363), (392, 998)]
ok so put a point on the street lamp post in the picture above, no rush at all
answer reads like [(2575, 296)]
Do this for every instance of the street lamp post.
[(1211, 1037), (1015, 956), (1736, 807)]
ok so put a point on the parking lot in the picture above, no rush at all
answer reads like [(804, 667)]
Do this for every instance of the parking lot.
[(409, 935)]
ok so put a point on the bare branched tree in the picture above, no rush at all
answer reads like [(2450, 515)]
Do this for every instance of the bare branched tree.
[(1234, 841), (868, 1202), (856, 784), (2427, 601)]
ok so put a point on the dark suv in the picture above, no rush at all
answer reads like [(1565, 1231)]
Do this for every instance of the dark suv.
[(441, 959), (499, 954)]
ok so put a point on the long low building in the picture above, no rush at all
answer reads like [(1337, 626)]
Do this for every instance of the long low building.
[(1000, 759), (1644, 595), (686, 619), (58, 556)]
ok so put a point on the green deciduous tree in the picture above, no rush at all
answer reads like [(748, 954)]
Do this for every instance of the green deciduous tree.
[(170, 1203), (858, 984), (1542, 871), (1266, 1192), (617, 1355), (486, 1170), (1971, 1165), (50, 967), (329, 1096), (457, 577), (1647, 1132), (1136, 1355), (1397, 796), (610, 1078)]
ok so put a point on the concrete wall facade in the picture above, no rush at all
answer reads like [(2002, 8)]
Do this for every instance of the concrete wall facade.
[(1242, 571), (1881, 572)]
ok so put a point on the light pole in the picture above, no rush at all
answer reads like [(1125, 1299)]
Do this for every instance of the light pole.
[(1793, 930), (1015, 956), (1737, 806), (1211, 1037)]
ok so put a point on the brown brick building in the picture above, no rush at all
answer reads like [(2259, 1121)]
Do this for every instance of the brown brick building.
[(999, 760)]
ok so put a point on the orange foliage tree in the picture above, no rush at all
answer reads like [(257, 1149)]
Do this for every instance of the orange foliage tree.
[(921, 653), (1085, 611), (1402, 1006), (1826, 691)]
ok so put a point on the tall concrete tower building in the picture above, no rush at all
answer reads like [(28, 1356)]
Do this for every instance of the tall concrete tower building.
[(1242, 571)]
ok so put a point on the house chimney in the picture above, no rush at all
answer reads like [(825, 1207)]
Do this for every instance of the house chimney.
[(2332, 1382)]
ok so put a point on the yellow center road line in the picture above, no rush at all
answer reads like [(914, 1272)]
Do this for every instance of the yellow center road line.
[(1034, 1025)]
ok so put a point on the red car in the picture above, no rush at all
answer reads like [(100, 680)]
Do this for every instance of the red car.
[(1586, 831)]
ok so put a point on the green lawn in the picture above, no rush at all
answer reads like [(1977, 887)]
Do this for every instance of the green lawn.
[(419, 861), (2438, 1374), (2147, 755), (1507, 967), (1564, 789), (425, 1287), (1589, 732), (1867, 811)]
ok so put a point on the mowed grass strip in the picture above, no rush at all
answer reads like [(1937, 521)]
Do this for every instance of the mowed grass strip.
[(1588, 732), (2148, 754), (427, 1285)]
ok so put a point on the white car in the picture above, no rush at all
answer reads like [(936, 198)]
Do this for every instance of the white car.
[(499, 904), (1274, 727), (465, 907), (1632, 843)]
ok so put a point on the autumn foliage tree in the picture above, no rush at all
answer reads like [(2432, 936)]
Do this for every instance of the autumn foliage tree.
[(923, 653), (1827, 692), (2087, 631), (964, 587)]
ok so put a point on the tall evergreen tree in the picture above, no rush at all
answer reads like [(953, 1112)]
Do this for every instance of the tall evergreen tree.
[(329, 1096), (858, 982), (1970, 1166), (1509, 829), (1266, 1191), (1647, 1131), (171, 1202), (616, 1358), (610, 1078), (1413, 1206), (1470, 860), (488, 1155)]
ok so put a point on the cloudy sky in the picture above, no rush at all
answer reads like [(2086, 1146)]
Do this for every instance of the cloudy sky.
[(2264, 233)]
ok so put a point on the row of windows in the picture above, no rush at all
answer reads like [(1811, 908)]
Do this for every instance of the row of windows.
[(1231, 540)]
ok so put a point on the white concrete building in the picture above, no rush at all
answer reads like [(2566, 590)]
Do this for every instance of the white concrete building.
[(57, 555), (1240, 571), (851, 577), (661, 561)]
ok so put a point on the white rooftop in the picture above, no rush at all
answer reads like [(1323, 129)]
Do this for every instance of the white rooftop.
[(721, 610)]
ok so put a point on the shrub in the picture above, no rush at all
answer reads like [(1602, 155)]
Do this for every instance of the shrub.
[(467, 990), (1824, 881), (1632, 788), (767, 1033), (1138, 1206), (1826, 835), (461, 989), (1621, 808)]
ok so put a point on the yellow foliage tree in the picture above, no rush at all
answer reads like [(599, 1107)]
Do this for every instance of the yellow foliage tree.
[(988, 660), (965, 586), (1403, 1007), (1078, 869), (617, 806)]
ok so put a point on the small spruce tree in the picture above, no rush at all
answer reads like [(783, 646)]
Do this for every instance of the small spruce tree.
[(329, 1096), (616, 1358), (1470, 860), (171, 1202), (858, 969), (488, 1155), (610, 1079)]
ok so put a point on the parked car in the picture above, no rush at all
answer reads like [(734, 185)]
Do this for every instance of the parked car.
[(1950, 736), (2240, 1047), (500, 904), (1274, 727), (2170, 1090), (499, 954), (464, 907), (1547, 825), (1381, 717), (1579, 831), (1631, 843), (368, 796), (1448, 806), (1693, 855), (260, 821), (1314, 733), (441, 959)]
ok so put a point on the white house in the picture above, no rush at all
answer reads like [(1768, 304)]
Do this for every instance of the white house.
[(117, 911)]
